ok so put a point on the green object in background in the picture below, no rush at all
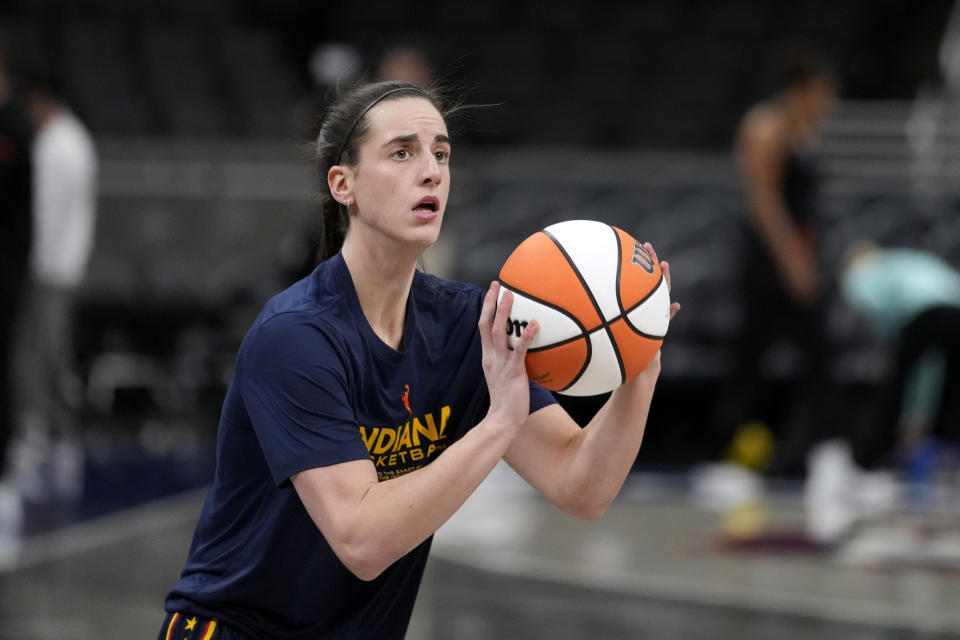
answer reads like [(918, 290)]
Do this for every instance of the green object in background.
[(891, 287)]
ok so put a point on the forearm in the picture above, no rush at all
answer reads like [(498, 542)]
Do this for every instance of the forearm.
[(396, 515), (597, 461), (778, 232), (371, 524)]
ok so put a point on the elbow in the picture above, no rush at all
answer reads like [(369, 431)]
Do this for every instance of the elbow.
[(586, 510), (593, 512), (581, 504), (363, 566), (362, 560), (367, 573)]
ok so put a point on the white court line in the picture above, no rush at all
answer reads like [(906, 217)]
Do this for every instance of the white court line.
[(516, 564), (138, 521)]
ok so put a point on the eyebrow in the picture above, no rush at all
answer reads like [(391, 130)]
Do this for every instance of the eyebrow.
[(410, 137)]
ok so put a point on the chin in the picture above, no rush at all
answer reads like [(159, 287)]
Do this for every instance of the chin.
[(428, 234), (427, 239)]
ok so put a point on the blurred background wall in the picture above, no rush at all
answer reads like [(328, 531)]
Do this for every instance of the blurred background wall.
[(619, 111)]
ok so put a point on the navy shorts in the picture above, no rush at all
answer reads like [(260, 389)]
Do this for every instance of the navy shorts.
[(182, 626)]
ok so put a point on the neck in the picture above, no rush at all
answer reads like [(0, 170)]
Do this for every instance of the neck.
[(43, 112), (798, 124), (382, 278)]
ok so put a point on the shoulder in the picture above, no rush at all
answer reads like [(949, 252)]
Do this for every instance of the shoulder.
[(453, 295), (764, 123), (65, 140), (306, 316), (320, 295), (287, 338)]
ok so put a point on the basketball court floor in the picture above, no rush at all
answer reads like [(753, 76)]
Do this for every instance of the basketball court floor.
[(509, 565)]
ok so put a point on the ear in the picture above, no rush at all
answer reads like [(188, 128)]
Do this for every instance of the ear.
[(339, 180)]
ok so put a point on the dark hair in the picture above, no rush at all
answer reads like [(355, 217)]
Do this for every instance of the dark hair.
[(343, 130), (40, 76), (797, 64), (11, 62)]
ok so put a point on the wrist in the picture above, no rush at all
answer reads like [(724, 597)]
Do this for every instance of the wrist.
[(652, 370), (501, 422), (644, 381)]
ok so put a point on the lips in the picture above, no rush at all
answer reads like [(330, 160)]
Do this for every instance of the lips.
[(427, 205)]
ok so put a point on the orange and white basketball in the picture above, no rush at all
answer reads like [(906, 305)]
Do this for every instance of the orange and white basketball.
[(601, 300)]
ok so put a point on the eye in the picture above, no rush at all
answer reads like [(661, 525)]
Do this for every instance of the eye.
[(401, 154), (442, 156)]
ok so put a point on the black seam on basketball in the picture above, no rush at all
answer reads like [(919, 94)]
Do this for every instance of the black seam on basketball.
[(583, 329), (645, 298), (616, 295), (586, 363), (576, 272), (554, 344), (626, 318), (596, 307), (619, 270), (645, 335), (616, 351)]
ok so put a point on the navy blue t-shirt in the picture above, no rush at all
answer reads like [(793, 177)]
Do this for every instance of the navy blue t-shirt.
[(315, 386)]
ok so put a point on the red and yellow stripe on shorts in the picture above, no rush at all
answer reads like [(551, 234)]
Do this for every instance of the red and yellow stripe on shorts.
[(180, 624)]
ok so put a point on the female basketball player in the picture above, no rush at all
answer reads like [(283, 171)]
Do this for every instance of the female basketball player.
[(369, 400)]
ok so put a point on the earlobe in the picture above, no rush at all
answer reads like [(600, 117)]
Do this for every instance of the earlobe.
[(338, 181)]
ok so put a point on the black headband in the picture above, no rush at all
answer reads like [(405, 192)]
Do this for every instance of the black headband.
[(371, 106)]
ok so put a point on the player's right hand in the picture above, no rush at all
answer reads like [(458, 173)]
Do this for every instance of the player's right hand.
[(503, 367)]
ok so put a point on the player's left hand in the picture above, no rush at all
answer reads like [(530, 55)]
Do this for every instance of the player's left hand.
[(654, 367), (665, 268)]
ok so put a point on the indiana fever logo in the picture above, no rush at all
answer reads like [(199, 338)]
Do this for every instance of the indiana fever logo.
[(406, 398), (408, 446)]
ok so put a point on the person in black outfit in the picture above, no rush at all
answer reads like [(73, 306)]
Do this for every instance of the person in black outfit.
[(15, 209), (782, 291)]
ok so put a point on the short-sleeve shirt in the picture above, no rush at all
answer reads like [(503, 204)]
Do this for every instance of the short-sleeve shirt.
[(315, 386)]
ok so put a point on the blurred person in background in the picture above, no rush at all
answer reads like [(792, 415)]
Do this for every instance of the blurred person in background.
[(406, 61), (49, 456), (332, 67), (781, 282), (15, 196), (912, 299)]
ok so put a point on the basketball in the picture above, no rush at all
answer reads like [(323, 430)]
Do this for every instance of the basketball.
[(600, 298)]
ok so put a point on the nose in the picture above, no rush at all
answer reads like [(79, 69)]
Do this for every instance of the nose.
[(431, 170)]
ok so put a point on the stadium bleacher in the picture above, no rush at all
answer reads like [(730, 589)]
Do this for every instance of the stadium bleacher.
[(608, 110)]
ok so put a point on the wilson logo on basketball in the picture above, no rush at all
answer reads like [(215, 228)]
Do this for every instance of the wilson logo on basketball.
[(641, 258), (515, 327)]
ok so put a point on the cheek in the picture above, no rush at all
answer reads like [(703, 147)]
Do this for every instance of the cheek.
[(379, 192)]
